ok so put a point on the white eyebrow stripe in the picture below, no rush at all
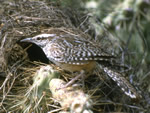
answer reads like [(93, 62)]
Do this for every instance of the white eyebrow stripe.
[(45, 35)]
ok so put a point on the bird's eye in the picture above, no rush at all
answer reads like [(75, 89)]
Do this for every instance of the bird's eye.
[(38, 38)]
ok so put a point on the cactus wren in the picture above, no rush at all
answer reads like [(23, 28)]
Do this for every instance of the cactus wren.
[(75, 53)]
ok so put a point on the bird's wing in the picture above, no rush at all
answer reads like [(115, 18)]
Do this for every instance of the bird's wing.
[(75, 50)]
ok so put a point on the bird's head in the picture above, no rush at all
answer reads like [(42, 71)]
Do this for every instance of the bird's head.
[(40, 40)]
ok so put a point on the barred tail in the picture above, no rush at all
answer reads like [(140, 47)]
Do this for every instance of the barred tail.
[(123, 83)]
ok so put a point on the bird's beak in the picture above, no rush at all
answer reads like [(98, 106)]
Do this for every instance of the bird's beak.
[(26, 40)]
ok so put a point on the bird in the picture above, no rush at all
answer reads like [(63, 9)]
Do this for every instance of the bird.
[(76, 53)]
